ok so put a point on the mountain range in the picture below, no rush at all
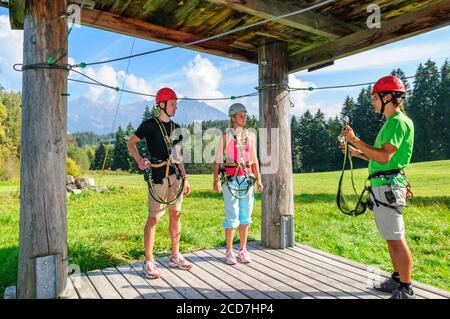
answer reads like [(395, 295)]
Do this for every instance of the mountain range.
[(98, 117)]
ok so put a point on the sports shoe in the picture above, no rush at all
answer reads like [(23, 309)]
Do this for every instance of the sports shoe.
[(180, 262), (244, 256), (230, 259), (150, 269), (403, 293), (389, 285)]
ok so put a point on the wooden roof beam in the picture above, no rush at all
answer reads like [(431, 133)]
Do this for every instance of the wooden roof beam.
[(432, 17), (16, 13), (137, 28), (307, 21)]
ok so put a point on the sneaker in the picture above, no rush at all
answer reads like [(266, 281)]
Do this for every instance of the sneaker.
[(403, 293), (389, 285), (244, 256), (230, 259), (180, 262), (150, 270)]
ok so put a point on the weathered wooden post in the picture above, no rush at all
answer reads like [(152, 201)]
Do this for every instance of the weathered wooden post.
[(277, 230), (42, 271)]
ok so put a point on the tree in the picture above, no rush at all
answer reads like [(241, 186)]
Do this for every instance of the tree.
[(348, 109), (99, 157), (305, 139), (120, 158), (424, 102), (295, 145), (133, 165), (442, 113), (333, 154), (130, 130)]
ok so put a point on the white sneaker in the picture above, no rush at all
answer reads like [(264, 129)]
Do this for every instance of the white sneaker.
[(150, 269), (230, 259)]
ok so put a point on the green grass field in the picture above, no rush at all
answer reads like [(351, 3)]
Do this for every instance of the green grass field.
[(106, 229)]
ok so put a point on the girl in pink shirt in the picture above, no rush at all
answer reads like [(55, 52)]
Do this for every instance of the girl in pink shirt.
[(242, 169)]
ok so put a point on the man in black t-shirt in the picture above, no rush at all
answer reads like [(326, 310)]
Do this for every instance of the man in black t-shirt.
[(166, 183)]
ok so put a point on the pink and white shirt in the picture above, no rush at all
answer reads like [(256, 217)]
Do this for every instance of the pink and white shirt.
[(233, 152)]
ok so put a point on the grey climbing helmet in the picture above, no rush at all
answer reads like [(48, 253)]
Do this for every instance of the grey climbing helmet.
[(236, 108)]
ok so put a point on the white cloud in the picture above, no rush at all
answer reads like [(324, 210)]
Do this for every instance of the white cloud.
[(11, 52), (203, 81), (299, 98), (107, 75), (389, 56), (136, 84)]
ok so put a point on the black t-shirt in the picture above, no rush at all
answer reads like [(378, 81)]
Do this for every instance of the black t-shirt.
[(157, 148)]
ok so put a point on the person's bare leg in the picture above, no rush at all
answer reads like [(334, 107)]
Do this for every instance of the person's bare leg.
[(149, 236), (395, 267), (175, 231), (243, 235), (402, 259), (229, 235)]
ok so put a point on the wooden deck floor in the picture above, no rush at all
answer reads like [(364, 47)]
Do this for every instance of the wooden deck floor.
[(297, 272)]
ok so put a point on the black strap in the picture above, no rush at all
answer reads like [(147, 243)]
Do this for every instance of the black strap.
[(361, 205), (378, 202), (391, 172)]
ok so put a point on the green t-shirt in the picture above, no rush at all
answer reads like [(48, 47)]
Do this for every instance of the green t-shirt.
[(398, 131)]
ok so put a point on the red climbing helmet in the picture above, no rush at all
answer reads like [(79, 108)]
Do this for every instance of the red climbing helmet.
[(389, 84), (165, 94)]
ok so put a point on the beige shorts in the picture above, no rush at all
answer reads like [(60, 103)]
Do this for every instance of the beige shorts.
[(389, 222), (167, 193)]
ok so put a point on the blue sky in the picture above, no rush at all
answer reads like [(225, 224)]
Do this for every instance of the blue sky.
[(197, 75)]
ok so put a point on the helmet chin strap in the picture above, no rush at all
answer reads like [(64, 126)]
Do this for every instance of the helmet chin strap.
[(383, 103), (164, 109)]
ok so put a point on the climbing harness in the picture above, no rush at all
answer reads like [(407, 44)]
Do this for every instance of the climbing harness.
[(240, 144), (364, 200), (170, 162)]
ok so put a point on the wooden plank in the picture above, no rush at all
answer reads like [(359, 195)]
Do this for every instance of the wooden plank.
[(70, 293), (331, 289), (160, 285), (199, 284), (421, 287), (354, 287), (277, 280), (178, 284), (43, 199), (144, 30), (277, 197), (350, 278), (431, 17), (364, 270), (220, 284), (102, 285), (214, 267), (345, 275), (216, 258), (307, 21), (84, 287), (142, 286), (123, 287)]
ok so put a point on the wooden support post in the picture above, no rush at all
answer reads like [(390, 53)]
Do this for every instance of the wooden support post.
[(42, 271), (277, 230)]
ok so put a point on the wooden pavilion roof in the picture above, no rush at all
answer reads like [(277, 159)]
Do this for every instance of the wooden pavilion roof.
[(314, 38)]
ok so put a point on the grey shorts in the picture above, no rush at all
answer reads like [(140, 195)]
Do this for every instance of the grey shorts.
[(389, 221)]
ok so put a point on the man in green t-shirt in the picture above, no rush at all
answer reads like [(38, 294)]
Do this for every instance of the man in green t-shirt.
[(387, 159)]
